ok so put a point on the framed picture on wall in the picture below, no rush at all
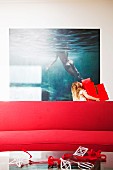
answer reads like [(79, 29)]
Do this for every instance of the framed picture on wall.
[(45, 62)]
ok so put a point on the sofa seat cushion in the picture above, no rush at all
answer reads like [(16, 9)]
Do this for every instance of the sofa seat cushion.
[(55, 140)]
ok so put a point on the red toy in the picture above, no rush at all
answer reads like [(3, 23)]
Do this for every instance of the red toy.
[(75, 160), (53, 162), (90, 156), (97, 154)]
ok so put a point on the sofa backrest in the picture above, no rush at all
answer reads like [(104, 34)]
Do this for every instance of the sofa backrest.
[(56, 115)]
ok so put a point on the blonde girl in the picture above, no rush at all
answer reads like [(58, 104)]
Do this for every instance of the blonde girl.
[(79, 94)]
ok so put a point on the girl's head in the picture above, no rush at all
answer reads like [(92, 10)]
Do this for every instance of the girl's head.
[(75, 88)]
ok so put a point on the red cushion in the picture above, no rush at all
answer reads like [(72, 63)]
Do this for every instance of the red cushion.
[(55, 140), (95, 91), (89, 86), (102, 92), (56, 115), (86, 81)]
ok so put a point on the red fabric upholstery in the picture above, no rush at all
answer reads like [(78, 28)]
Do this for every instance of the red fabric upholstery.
[(49, 139), (89, 115), (56, 125)]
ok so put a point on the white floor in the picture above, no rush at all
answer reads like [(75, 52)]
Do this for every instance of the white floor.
[(4, 160)]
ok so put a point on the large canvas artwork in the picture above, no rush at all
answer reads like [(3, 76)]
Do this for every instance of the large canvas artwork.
[(45, 62)]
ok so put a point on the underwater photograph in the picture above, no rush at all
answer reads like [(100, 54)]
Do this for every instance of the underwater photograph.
[(45, 62)]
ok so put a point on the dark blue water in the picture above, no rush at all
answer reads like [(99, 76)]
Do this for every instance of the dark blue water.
[(41, 46), (83, 47)]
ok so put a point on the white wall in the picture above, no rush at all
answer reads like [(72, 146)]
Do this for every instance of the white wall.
[(57, 14)]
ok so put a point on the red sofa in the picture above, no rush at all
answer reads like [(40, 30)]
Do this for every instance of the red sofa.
[(52, 126)]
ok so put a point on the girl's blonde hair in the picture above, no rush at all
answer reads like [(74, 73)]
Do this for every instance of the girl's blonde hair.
[(75, 89)]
